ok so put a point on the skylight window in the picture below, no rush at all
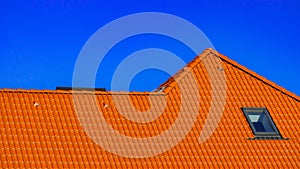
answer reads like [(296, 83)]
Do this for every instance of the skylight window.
[(261, 123)]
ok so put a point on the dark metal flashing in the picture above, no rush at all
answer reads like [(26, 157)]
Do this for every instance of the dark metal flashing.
[(80, 88), (267, 138)]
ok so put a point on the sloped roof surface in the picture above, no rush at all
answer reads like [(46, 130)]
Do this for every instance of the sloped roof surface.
[(41, 128)]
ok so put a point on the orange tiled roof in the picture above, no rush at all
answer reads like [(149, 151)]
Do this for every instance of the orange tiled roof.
[(41, 128)]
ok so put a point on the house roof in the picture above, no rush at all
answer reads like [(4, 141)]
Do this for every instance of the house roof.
[(61, 128)]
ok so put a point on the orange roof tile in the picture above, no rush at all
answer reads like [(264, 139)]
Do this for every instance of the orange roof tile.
[(61, 129)]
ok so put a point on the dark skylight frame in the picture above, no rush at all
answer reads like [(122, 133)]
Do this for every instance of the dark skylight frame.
[(261, 123)]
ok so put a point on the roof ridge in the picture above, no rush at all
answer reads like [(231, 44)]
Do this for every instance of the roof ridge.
[(171, 82), (254, 74)]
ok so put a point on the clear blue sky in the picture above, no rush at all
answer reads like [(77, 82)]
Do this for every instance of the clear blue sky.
[(41, 39)]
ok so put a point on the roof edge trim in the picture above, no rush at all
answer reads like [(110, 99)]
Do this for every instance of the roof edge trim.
[(254, 74)]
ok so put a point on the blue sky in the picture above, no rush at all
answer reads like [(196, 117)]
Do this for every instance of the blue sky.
[(41, 40)]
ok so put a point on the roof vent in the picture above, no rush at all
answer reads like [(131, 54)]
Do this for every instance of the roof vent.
[(220, 69), (36, 104), (161, 89)]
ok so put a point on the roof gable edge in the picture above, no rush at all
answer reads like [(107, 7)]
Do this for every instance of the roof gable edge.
[(170, 83), (254, 74)]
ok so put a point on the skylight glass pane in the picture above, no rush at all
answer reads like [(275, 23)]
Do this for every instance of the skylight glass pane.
[(261, 122), (267, 124), (254, 118), (259, 127)]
